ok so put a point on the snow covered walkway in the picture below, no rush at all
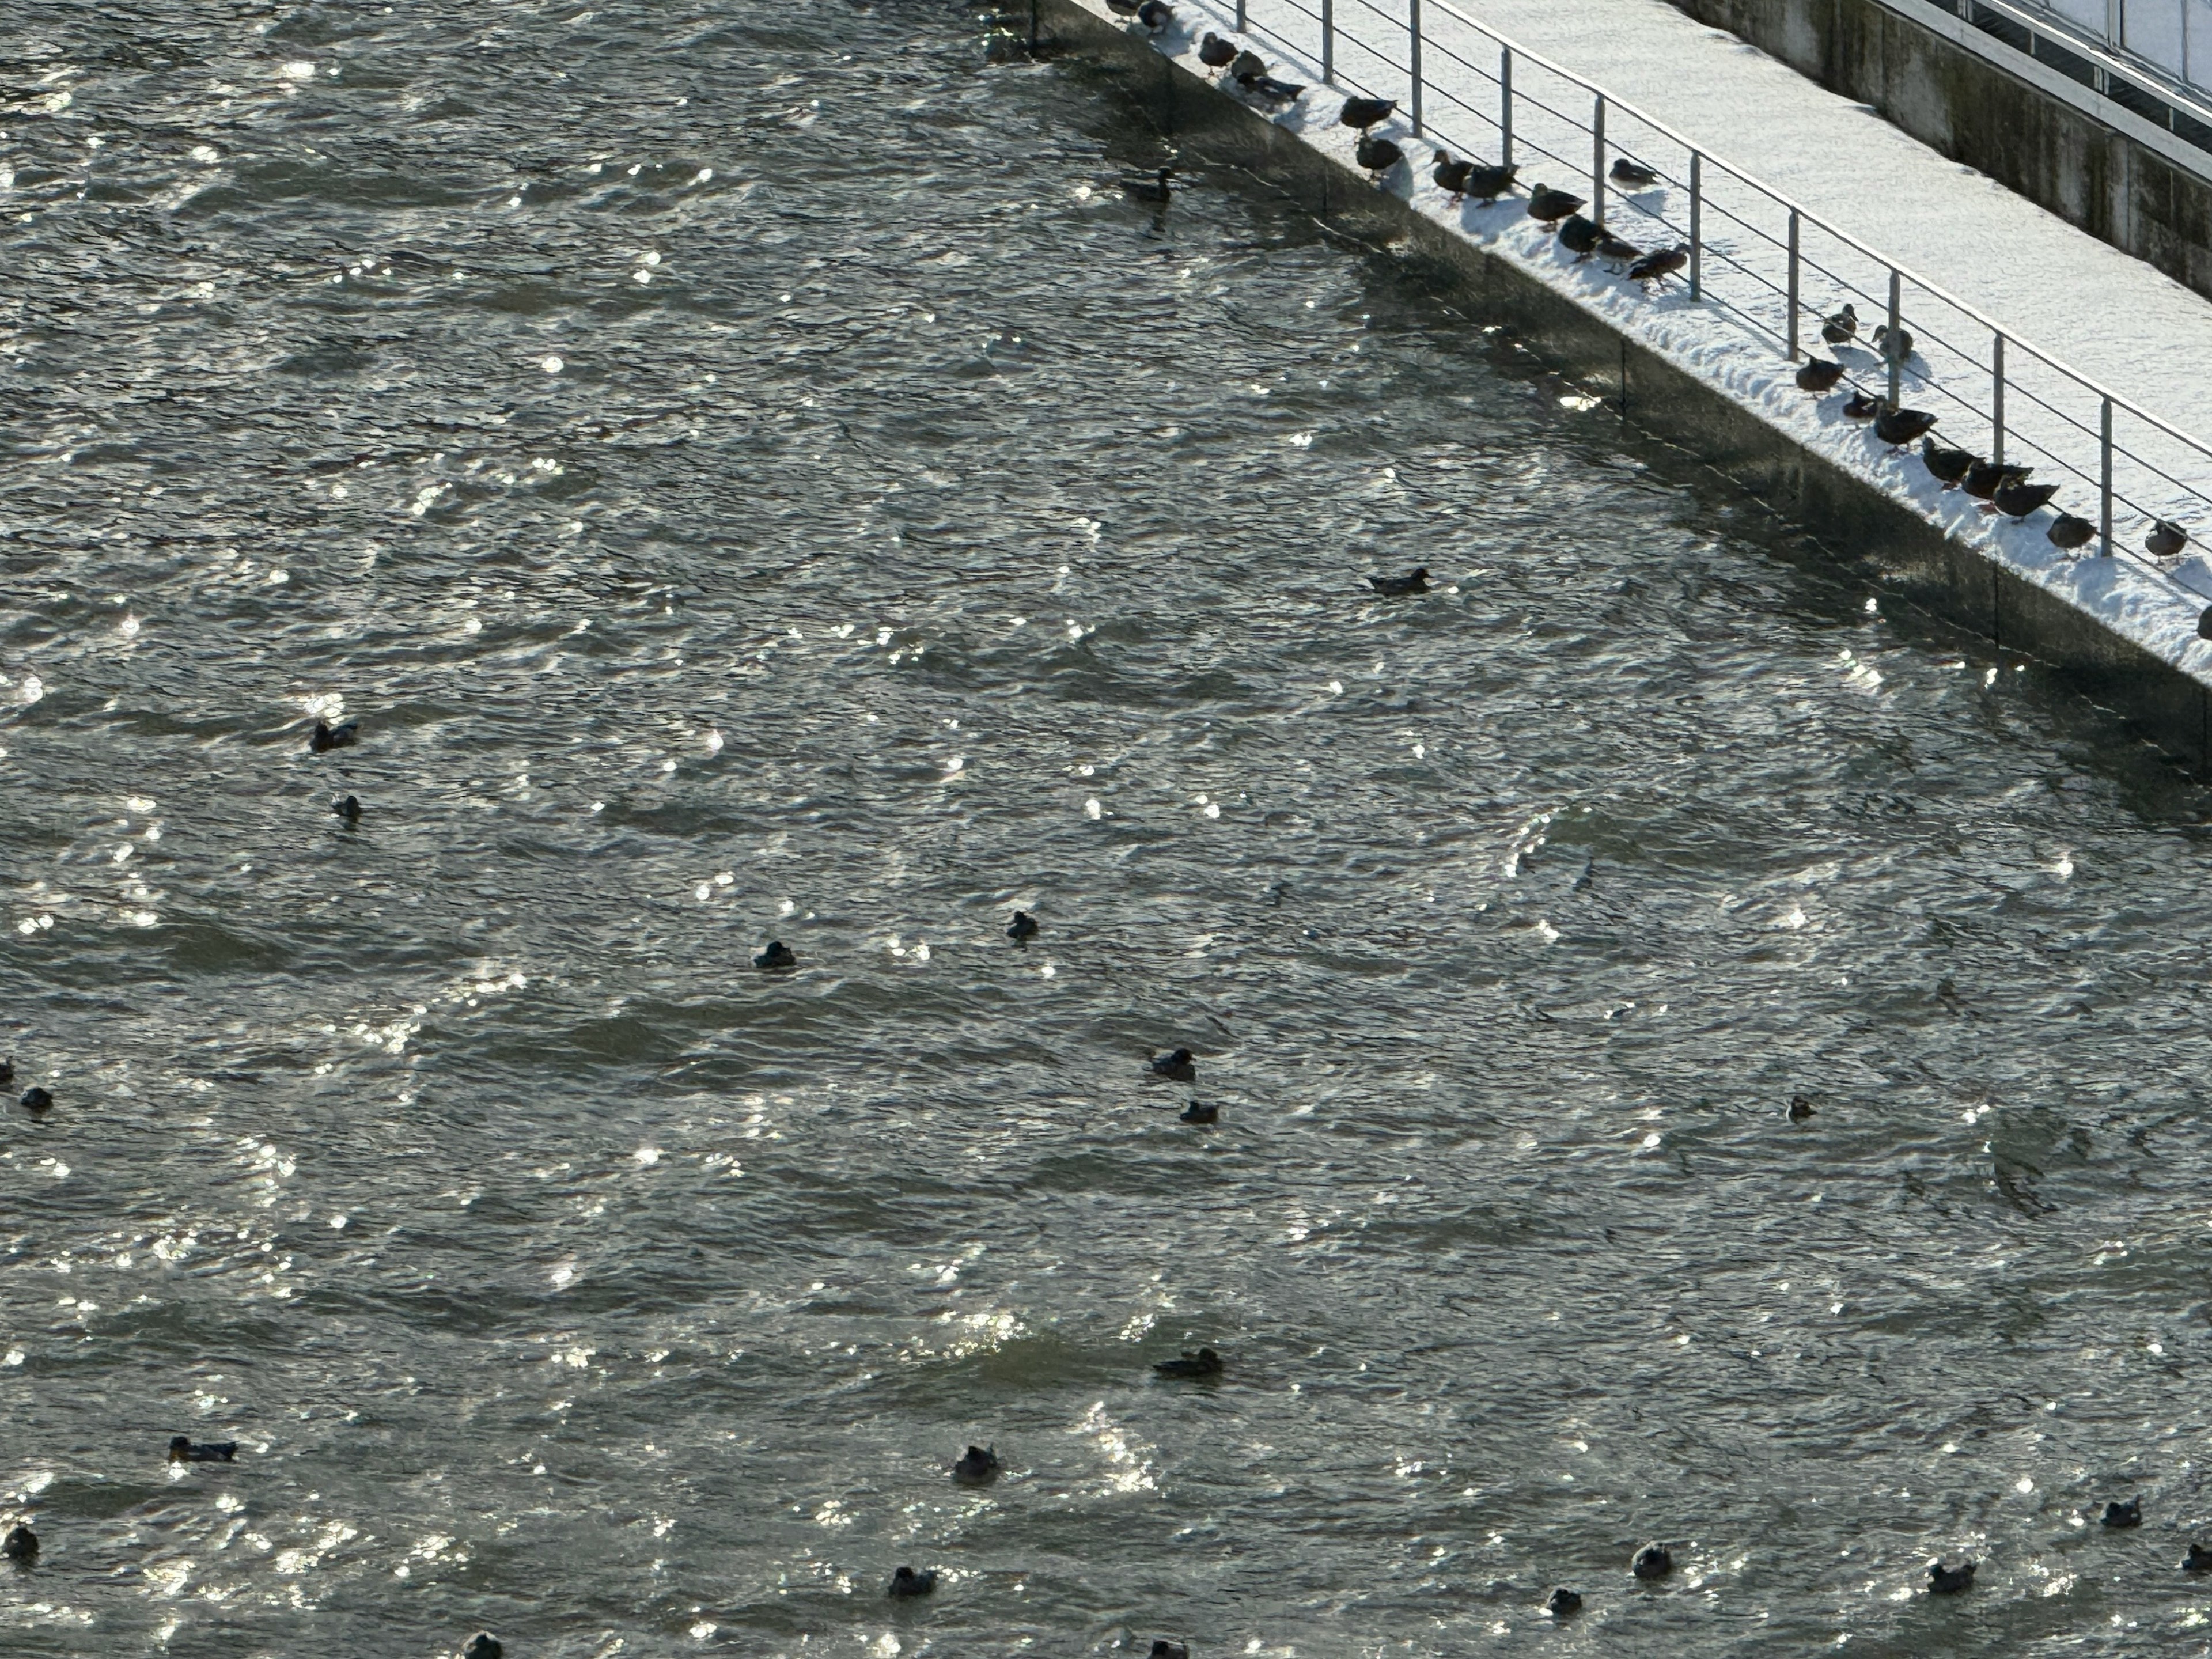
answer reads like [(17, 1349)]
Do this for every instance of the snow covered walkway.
[(2109, 317)]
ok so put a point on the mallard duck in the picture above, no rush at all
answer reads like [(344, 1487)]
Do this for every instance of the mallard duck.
[(1800, 1108), (1378, 156), (906, 1581), (1204, 1363), (2067, 533), (182, 1450), (1818, 375), (1652, 1561), (1895, 346), (2165, 541), (1164, 1648), (1659, 266), (1156, 16), (1983, 477), (1155, 189), (1023, 926), (483, 1645), (1621, 254), (21, 1545), (1195, 1113), (978, 1466), (1862, 406), (325, 736), (1215, 52), (2129, 1514), (1487, 185), (778, 955), (2016, 501), (37, 1102), (2199, 1560), (1247, 65), (1634, 175), (1948, 465), (1579, 236), (1451, 175), (1549, 206), (1899, 427), (1397, 587), (1176, 1066), (1564, 1604), (1950, 1581), (1842, 326), (348, 810), (1365, 112)]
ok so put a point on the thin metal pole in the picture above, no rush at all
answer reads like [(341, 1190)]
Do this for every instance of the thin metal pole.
[(1793, 285), (1996, 401), (1413, 9), (1597, 162), (1505, 106), (1896, 332), (1328, 40), (1697, 225), (2107, 446), (1240, 16)]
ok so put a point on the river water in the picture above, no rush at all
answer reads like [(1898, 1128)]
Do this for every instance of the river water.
[(753, 476)]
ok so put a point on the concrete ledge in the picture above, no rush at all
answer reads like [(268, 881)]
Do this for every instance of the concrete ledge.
[(1871, 534)]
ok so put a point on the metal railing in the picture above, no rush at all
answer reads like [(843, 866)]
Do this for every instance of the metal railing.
[(1755, 271)]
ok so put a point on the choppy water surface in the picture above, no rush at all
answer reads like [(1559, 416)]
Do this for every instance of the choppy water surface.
[(754, 477)]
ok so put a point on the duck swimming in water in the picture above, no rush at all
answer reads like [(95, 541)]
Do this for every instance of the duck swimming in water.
[(21, 1545), (1195, 1113), (1164, 1648), (7, 1073), (978, 1466), (1175, 1066), (1204, 1363), (483, 1645), (1564, 1604), (1950, 1581), (2129, 1514), (1634, 175), (1155, 191), (182, 1450), (1652, 1561), (1800, 1108), (1023, 928), (778, 955), (906, 1581), (1819, 375), (348, 810), (1397, 587), (325, 738), (2199, 1560), (37, 1102)]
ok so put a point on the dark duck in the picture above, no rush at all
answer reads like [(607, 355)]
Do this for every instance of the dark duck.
[(1155, 191), (21, 1545), (182, 1450), (1563, 1604), (1652, 1561), (1895, 344), (2016, 501), (1164, 1648), (2165, 541), (1548, 206), (1156, 16), (906, 1581), (1948, 465), (485, 1645), (1378, 155), (1204, 1363), (1452, 175), (1216, 53), (1819, 375), (37, 1102), (1195, 1113), (1397, 587), (1899, 427), (1984, 477), (2199, 1560), (1842, 326), (348, 811), (1268, 89), (1365, 112), (1618, 254), (1023, 928), (1176, 1066), (1248, 65), (2068, 534), (978, 1466), (1862, 407), (1659, 266), (1487, 185), (1950, 1581), (1800, 1108), (325, 737), (1579, 236), (778, 955), (1632, 175), (2129, 1514)]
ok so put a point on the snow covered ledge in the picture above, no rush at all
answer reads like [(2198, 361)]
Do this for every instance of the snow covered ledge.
[(2115, 630)]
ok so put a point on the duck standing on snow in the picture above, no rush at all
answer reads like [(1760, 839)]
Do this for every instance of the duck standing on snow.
[(1268, 89), (1397, 587), (1818, 375), (1983, 478), (2016, 501), (1622, 254), (1156, 16), (1896, 347), (1548, 206), (1948, 465), (1844, 325), (1633, 175), (1123, 7), (1862, 407), (1579, 235), (1487, 185), (1365, 112), (1378, 155), (1216, 53), (1659, 266), (2165, 540), (1452, 175), (2067, 533), (1898, 427)]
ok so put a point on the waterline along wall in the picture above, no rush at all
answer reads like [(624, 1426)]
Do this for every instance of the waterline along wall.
[(1710, 362)]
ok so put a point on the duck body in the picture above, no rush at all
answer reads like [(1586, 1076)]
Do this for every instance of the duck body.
[(1652, 1561), (2199, 1560), (778, 955), (7, 1073), (1164, 1648), (2129, 1514), (2016, 501), (20, 1546), (1984, 477), (37, 1102), (1176, 1064), (182, 1450), (1248, 65), (1269, 90), (1862, 406), (1023, 926), (1898, 427), (906, 1581), (1452, 175), (1844, 325), (1378, 155), (1155, 14), (1365, 112), (2067, 533), (1487, 185), (1895, 344), (325, 738), (1659, 266), (978, 1466), (1579, 236), (1397, 587), (483, 1645), (1948, 465), (1195, 1113), (1800, 1108), (346, 810), (2165, 541), (1204, 1363), (1549, 206), (1818, 375), (1156, 190), (1633, 174), (1622, 254), (1215, 52), (1950, 1581), (1563, 1604)]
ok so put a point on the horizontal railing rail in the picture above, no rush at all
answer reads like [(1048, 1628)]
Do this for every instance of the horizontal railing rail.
[(2033, 401)]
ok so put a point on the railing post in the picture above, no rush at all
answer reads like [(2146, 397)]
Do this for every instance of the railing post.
[(1996, 401), (1505, 106), (1793, 285), (1413, 9), (2106, 488), (1597, 161), (1328, 41), (1896, 330), (1241, 28), (1697, 225)]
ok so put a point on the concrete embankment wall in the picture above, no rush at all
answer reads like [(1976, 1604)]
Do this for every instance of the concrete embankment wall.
[(1973, 110), (1875, 537)]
